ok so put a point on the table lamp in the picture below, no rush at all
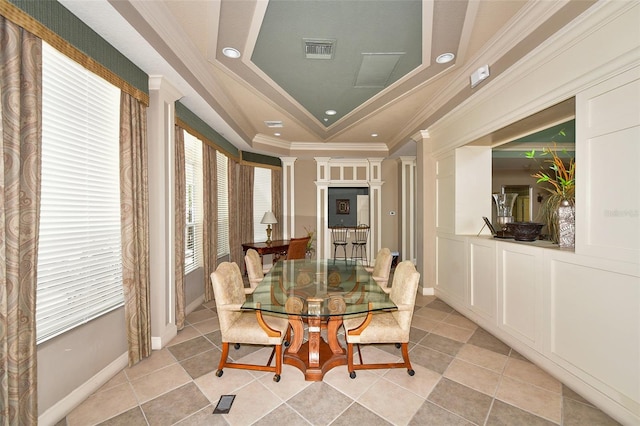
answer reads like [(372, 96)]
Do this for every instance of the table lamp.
[(268, 219)]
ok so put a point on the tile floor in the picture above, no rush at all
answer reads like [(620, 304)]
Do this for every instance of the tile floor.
[(464, 376)]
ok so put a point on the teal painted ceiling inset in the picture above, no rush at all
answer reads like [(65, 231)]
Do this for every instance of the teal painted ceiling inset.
[(366, 36), (561, 134)]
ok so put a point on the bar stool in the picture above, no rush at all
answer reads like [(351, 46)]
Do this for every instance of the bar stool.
[(339, 239), (359, 243)]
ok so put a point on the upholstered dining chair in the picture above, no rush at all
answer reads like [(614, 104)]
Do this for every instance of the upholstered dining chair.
[(255, 271), (297, 248), (386, 327), (339, 239), (382, 268), (245, 327)]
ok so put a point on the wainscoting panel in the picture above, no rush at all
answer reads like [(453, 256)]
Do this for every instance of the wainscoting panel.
[(519, 291), (482, 277), (595, 325), (452, 266)]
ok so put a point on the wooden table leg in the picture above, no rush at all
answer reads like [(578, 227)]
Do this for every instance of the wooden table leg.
[(315, 357), (314, 341), (298, 334), (332, 335)]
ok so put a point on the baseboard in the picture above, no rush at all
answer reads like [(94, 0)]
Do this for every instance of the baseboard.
[(159, 342), (428, 291), (171, 331), (63, 407), (194, 305)]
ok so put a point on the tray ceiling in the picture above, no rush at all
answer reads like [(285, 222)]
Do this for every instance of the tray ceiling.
[(382, 79)]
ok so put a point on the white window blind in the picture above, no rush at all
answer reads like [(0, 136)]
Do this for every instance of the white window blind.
[(261, 201), (223, 204), (79, 255), (193, 228)]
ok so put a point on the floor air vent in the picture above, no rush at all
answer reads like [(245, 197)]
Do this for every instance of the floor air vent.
[(318, 48)]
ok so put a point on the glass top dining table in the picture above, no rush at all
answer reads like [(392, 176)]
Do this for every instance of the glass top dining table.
[(317, 293), (324, 288)]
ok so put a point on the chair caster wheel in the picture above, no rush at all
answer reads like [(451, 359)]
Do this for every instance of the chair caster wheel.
[(276, 378), (236, 346), (219, 373), (398, 345), (352, 374), (411, 372)]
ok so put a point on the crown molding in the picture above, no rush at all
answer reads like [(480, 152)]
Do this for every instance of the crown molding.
[(268, 143), (549, 82), (524, 23)]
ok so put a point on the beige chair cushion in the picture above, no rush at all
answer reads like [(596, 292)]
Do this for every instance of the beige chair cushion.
[(239, 326), (255, 272), (245, 329), (395, 326), (382, 268), (383, 328)]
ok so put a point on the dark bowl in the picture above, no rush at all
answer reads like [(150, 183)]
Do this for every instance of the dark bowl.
[(524, 231)]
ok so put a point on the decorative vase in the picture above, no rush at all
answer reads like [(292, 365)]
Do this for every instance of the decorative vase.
[(566, 224), (504, 207)]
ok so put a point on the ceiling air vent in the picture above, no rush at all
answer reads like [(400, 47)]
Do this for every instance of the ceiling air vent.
[(318, 48)]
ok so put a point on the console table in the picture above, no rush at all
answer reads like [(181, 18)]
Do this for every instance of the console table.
[(277, 248)]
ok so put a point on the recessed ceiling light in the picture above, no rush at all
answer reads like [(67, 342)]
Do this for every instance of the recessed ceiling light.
[(445, 57), (325, 119), (374, 135), (277, 134), (230, 52), (330, 112)]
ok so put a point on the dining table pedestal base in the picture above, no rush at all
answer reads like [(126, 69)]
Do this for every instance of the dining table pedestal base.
[(316, 356)]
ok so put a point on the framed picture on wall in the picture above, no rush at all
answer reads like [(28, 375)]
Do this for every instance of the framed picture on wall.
[(342, 206)]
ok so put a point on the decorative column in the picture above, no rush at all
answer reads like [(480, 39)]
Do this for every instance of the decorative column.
[(323, 236), (408, 208), (375, 207), (160, 127), (426, 222), (288, 192)]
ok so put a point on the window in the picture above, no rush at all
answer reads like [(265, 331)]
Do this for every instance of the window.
[(79, 254), (223, 204), (193, 228), (261, 201)]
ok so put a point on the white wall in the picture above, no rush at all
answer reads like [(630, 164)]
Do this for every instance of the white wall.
[(572, 312), (74, 364)]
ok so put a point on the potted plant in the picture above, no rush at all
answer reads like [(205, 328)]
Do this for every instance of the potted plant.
[(311, 233), (558, 171)]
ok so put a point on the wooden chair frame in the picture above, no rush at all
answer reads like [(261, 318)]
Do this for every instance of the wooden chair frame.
[(277, 351), (351, 367)]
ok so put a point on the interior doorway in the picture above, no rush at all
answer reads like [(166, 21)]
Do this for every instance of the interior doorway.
[(522, 208)]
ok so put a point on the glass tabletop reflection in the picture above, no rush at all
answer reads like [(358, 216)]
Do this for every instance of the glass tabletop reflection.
[(318, 287)]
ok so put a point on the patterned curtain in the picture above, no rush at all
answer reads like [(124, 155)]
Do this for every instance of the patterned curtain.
[(134, 199), (180, 223), (245, 203), (276, 201), (20, 145), (209, 217), (235, 242)]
